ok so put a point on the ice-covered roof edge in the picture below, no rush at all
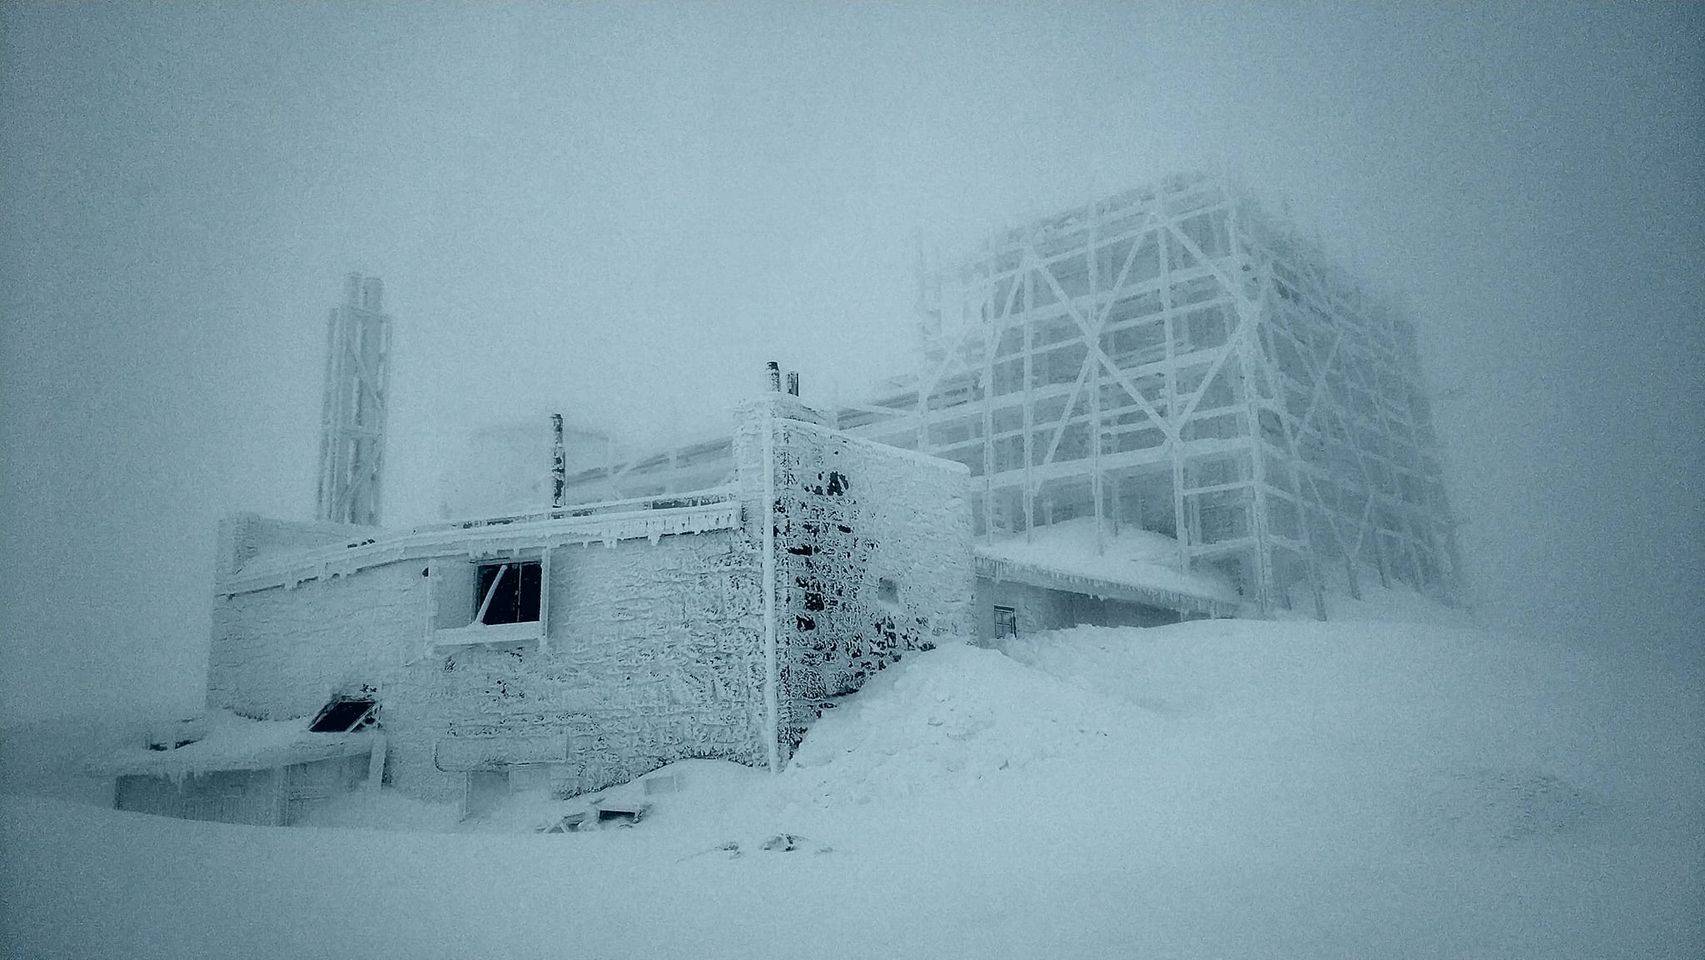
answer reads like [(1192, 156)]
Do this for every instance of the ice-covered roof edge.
[(1041, 575), (266, 749), (703, 511)]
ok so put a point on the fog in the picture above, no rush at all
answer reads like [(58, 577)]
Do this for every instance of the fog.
[(621, 211)]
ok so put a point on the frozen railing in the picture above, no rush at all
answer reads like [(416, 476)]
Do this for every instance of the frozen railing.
[(671, 501), (647, 518)]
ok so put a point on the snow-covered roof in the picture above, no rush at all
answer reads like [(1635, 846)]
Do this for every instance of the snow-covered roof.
[(1133, 564), (649, 518), (234, 743)]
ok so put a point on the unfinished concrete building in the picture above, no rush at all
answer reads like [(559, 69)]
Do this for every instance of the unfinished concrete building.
[(1172, 359)]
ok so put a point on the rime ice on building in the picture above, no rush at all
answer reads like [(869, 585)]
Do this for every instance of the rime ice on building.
[(352, 414), (1159, 406), (1171, 360), (1174, 359), (572, 647), (1168, 362)]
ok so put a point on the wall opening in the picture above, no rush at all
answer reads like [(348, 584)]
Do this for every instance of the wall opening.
[(508, 592), (344, 715)]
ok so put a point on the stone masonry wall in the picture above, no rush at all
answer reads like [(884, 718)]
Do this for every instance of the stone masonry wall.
[(873, 560), (653, 654), (282, 653), (656, 650)]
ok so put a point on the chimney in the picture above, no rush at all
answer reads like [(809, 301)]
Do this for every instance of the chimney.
[(774, 369), (793, 383)]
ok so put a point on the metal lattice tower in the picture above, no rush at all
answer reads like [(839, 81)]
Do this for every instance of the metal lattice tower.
[(352, 417)]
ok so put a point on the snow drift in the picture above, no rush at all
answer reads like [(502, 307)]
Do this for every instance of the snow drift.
[(1213, 789)]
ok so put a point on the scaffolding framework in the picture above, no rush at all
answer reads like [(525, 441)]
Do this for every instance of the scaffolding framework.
[(353, 411), (1173, 357)]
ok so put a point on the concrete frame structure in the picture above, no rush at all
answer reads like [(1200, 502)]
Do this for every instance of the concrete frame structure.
[(1174, 357), (353, 412)]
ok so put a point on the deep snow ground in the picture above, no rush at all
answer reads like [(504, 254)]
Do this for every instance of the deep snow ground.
[(1214, 789)]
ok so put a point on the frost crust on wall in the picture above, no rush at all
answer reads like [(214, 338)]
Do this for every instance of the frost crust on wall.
[(654, 656), (653, 650), (873, 560), (282, 653)]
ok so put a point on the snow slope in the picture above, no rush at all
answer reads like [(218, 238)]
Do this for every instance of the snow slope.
[(1211, 789)]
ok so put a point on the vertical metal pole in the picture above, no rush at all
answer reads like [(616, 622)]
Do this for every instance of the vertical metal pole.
[(772, 665), (1028, 263), (1093, 358), (559, 462), (1181, 517)]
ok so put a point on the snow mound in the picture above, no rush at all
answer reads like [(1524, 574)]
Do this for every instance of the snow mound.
[(948, 719), (1211, 789)]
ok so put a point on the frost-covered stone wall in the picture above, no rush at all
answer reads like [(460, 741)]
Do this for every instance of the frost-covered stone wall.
[(282, 653), (873, 560), (653, 653), (725, 643), (1034, 608)]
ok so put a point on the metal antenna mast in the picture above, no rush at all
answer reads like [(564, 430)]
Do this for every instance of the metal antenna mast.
[(352, 417)]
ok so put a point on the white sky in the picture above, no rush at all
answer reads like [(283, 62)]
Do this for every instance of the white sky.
[(622, 210)]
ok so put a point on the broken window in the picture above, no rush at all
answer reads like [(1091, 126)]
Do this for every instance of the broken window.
[(508, 592), (344, 715), (1006, 622)]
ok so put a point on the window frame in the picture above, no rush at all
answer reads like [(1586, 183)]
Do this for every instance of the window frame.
[(456, 577), (483, 601)]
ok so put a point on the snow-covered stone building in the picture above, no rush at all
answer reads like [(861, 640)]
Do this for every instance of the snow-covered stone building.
[(1161, 406), (578, 647)]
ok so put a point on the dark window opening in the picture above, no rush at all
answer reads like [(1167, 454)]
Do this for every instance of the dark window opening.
[(508, 593), (1006, 622), (343, 716)]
